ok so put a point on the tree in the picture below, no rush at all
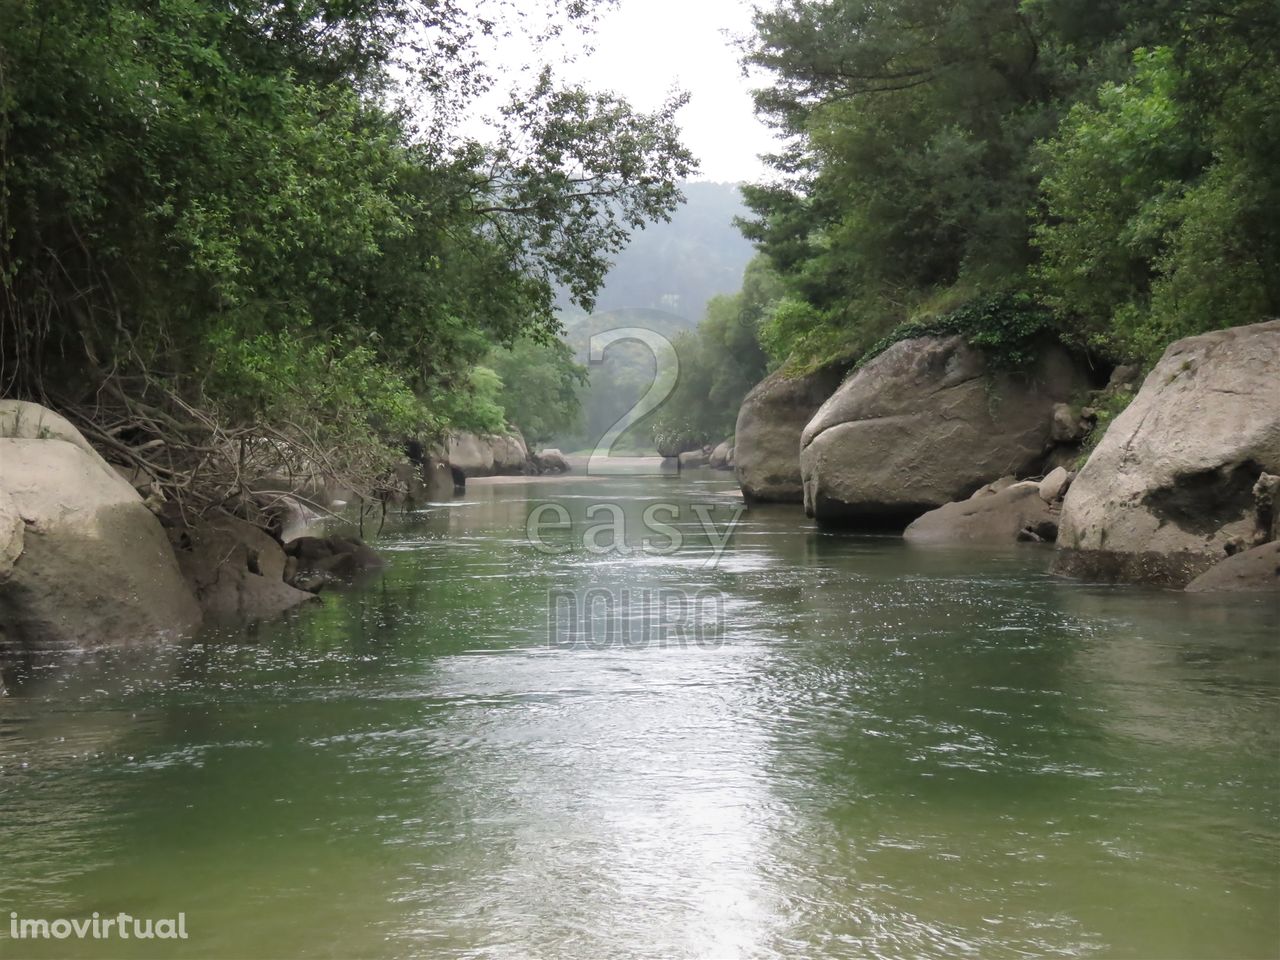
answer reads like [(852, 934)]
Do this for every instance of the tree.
[(540, 383), (720, 362), (1113, 160), (1160, 195), (256, 229)]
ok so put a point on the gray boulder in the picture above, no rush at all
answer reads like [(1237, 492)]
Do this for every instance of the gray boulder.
[(436, 481), (236, 569), (1255, 570), (767, 436), (995, 486), (926, 423), (316, 561), (551, 460), (510, 455), (672, 446), (12, 534), (487, 455), (1068, 425), (23, 420), (692, 459), (92, 565), (720, 456), (1014, 513), (1170, 489), (471, 454), (430, 480), (1055, 484), (1266, 498)]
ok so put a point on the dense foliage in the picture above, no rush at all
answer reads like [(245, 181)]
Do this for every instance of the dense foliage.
[(540, 383), (719, 362), (266, 211), (1113, 160), (663, 281)]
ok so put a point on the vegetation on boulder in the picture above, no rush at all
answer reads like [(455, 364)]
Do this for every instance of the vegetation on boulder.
[(1112, 162)]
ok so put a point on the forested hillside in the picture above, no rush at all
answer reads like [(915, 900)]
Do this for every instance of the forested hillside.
[(678, 266), (664, 280)]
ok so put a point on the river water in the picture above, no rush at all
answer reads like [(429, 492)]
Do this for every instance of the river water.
[(812, 745)]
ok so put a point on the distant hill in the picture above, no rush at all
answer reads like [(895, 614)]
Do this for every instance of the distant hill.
[(677, 267), (661, 282)]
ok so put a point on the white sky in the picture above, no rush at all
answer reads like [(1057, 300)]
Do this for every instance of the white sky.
[(644, 48)]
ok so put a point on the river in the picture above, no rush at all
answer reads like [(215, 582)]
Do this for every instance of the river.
[(837, 746)]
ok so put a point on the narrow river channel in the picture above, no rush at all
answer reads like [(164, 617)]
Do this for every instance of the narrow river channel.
[(808, 745)]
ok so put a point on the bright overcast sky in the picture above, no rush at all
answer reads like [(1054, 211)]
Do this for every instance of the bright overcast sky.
[(644, 48)]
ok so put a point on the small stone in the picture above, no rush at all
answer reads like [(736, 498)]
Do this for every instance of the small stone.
[(1054, 486)]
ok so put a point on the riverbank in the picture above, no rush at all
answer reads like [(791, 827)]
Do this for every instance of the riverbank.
[(934, 435)]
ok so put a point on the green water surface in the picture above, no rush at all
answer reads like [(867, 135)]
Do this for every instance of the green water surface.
[(818, 746)]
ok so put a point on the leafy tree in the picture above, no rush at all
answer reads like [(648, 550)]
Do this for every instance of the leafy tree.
[(1161, 194), (266, 213), (720, 362), (1113, 159), (540, 382)]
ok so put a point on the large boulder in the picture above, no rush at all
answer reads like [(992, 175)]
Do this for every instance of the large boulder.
[(12, 534), (1056, 484), (1250, 571), (316, 561), (471, 454), (510, 455), (671, 446), (1015, 513), (94, 565), (925, 423), (23, 420), (1173, 487), (486, 455), (551, 460), (767, 437), (429, 481), (693, 459), (719, 459), (236, 569)]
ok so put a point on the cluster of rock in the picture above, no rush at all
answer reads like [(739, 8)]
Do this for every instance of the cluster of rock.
[(1188, 475), (85, 561), (767, 435), (82, 559), (925, 423), (1003, 511), (718, 457), (435, 472), (931, 439)]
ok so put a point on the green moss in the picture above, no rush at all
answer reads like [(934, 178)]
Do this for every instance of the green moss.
[(1010, 328)]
